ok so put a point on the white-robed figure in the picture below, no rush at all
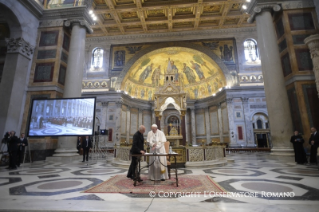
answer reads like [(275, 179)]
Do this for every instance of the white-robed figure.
[(156, 140)]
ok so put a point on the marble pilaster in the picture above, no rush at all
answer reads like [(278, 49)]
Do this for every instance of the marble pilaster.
[(313, 44), (15, 73), (117, 130), (220, 123), (207, 124), (140, 117), (248, 124), (128, 123), (186, 128), (193, 126), (230, 112), (275, 90)]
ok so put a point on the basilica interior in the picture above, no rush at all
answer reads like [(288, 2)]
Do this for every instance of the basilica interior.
[(227, 81)]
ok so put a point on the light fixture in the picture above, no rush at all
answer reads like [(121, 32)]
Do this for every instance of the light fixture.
[(91, 11), (244, 7), (247, 0), (220, 89), (94, 18), (214, 94)]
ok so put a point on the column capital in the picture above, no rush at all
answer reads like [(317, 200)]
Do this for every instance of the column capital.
[(19, 45), (119, 103), (105, 104), (244, 99), (229, 100), (82, 23), (313, 43), (254, 11)]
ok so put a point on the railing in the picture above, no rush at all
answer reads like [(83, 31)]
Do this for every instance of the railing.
[(233, 150)]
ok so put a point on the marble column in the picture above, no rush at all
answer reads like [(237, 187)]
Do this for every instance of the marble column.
[(313, 44), (128, 123), (73, 79), (14, 81), (207, 124), (193, 126), (276, 94), (249, 132)]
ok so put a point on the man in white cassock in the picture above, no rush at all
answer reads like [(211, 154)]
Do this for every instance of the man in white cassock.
[(158, 169)]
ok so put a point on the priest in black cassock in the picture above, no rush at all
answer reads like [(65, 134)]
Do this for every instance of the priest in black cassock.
[(137, 148), (300, 154), (314, 142)]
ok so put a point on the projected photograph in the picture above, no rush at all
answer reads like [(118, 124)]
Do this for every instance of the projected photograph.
[(62, 117)]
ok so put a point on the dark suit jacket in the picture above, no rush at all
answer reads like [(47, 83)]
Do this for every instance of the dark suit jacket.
[(138, 143), (84, 144), (13, 144), (314, 138), (25, 142), (78, 144)]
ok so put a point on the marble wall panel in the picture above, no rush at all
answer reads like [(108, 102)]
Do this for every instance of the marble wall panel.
[(200, 124), (134, 123), (214, 128)]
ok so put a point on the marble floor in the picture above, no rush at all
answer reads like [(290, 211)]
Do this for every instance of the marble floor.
[(49, 186)]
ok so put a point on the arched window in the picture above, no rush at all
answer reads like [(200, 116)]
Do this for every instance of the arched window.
[(251, 52), (97, 58), (259, 124)]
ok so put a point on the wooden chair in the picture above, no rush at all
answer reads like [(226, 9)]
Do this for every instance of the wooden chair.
[(166, 145)]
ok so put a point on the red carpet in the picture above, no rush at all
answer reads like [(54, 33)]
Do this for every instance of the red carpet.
[(186, 183)]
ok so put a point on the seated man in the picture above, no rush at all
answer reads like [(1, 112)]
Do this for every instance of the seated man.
[(158, 169)]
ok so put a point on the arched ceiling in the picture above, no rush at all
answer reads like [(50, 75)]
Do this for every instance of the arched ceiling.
[(199, 75)]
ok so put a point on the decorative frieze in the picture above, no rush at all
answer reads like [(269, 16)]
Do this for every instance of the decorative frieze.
[(251, 79), (19, 45), (96, 84), (297, 4)]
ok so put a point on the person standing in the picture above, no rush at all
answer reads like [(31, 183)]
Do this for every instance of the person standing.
[(79, 144), (314, 142), (158, 169), (13, 149), (23, 142), (137, 148), (86, 147), (300, 155)]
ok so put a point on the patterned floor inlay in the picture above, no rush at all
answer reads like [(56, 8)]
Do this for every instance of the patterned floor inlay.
[(86, 197), (289, 178), (233, 172), (99, 171), (39, 171), (48, 176), (9, 180), (297, 171), (263, 186), (54, 187)]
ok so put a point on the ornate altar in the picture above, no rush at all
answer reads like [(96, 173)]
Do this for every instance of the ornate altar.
[(172, 97)]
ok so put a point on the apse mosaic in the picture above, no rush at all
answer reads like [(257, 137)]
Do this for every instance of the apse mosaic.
[(196, 72)]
